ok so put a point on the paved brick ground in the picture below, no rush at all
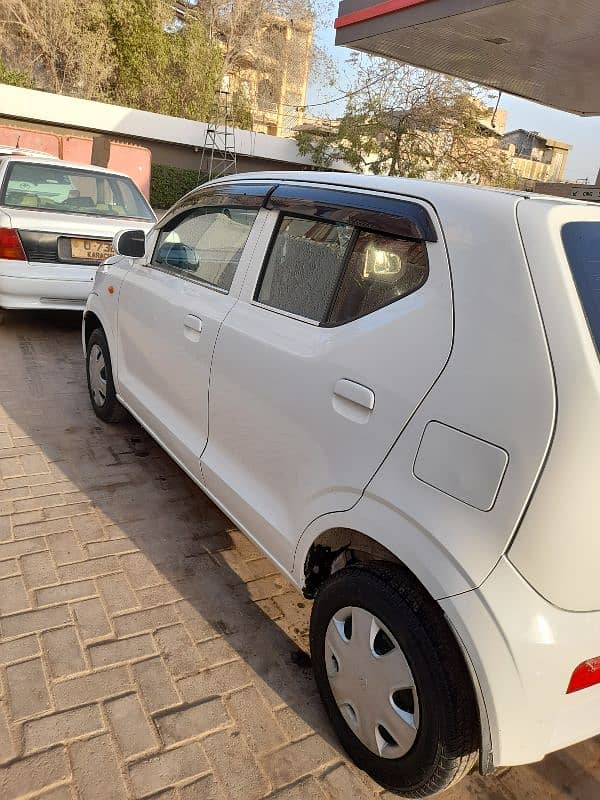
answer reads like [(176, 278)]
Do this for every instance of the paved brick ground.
[(146, 648)]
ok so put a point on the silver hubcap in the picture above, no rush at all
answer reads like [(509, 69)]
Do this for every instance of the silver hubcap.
[(371, 682), (97, 370)]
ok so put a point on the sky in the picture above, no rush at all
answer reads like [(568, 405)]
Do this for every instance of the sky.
[(582, 132)]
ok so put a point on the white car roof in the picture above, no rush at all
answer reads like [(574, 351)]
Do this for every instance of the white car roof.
[(422, 189)]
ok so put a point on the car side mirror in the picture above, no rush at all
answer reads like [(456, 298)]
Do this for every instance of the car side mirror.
[(130, 243)]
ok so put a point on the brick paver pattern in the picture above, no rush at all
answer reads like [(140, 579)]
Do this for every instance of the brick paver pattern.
[(146, 647)]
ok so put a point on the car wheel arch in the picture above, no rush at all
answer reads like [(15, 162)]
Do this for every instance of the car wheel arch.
[(93, 320), (335, 548), (90, 322)]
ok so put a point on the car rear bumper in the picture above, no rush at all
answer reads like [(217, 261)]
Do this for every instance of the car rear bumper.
[(523, 651), (24, 286)]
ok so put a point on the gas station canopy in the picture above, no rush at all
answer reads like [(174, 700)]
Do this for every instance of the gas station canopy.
[(543, 50)]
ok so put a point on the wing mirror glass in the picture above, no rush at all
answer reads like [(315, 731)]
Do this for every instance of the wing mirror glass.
[(130, 243)]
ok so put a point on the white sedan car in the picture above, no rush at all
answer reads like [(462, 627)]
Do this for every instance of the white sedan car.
[(393, 388), (57, 221)]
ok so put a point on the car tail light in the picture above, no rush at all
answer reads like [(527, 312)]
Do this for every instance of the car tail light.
[(10, 245), (585, 675)]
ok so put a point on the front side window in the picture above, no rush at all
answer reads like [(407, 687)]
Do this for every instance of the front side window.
[(54, 187), (205, 244), (581, 241), (331, 273)]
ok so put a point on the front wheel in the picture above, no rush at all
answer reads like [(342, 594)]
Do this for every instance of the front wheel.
[(100, 379), (393, 679)]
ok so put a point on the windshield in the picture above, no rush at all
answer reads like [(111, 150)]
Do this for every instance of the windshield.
[(581, 241), (54, 187)]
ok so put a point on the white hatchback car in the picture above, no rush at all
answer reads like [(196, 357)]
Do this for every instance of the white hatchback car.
[(57, 221), (392, 387)]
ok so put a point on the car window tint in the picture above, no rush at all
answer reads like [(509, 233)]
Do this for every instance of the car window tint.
[(205, 244), (581, 241), (304, 267), (381, 269)]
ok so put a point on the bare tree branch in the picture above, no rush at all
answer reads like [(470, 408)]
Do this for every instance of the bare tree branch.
[(63, 47), (400, 120)]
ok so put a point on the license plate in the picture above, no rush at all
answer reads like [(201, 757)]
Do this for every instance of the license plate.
[(90, 249)]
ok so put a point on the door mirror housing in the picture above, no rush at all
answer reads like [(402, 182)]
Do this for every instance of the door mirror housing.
[(130, 243)]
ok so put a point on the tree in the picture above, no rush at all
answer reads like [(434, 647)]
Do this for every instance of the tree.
[(265, 45), (400, 120), (176, 72), (246, 30), (14, 77), (56, 46), (127, 53)]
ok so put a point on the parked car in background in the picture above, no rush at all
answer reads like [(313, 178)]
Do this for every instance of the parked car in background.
[(57, 221), (392, 387)]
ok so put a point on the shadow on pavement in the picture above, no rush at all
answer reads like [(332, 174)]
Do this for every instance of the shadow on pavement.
[(240, 613)]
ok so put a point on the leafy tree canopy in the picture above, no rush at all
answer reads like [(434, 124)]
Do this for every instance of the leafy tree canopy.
[(400, 120), (13, 77), (129, 53)]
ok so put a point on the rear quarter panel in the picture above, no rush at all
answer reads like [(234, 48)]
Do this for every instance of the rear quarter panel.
[(497, 386), (557, 548)]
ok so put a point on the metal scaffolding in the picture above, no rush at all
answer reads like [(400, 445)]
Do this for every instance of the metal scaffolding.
[(218, 151)]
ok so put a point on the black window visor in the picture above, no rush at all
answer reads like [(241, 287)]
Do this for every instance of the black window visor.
[(370, 212)]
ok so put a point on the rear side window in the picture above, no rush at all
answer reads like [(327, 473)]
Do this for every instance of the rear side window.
[(581, 241), (304, 267), (333, 273), (380, 270)]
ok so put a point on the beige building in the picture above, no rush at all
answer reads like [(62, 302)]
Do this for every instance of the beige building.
[(270, 69), (276, 91), (493, 120), (534, 160), (534, 156)]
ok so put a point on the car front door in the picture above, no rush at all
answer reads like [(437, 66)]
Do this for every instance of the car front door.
[(338, 335), (171, 307)]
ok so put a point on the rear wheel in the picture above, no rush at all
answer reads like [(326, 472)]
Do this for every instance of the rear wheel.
[(393, 679), (100, 379)]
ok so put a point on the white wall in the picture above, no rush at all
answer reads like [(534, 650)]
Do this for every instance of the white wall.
[(30, 105)]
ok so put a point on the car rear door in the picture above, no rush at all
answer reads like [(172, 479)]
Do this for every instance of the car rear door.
[(171, 308), (342, 327)]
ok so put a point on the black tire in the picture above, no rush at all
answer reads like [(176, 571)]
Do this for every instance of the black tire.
[(447, 740), (110, 410)]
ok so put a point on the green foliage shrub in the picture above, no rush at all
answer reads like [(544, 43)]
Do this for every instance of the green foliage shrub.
[(168, 184)]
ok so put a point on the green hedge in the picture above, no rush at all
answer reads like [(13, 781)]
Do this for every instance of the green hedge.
[(168, 184)]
